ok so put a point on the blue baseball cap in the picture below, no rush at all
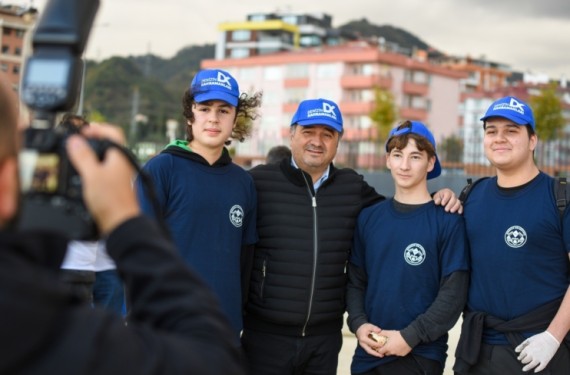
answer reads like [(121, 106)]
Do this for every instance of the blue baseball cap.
[(215, 84), (421, 130), (512, 109), (318, 112)]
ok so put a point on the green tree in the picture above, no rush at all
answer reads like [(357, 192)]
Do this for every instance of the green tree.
[(547, 110), (384, 112), (96, 116), (451, 149)]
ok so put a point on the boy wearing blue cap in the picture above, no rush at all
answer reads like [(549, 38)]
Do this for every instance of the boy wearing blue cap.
[(208, 202), (307, 210), (518, 310), (408, 270)]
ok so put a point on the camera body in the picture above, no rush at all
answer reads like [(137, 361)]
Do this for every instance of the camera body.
[(51, 188), (52, 199)]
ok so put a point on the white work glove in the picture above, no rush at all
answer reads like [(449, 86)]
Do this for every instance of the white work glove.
[(537, 350)]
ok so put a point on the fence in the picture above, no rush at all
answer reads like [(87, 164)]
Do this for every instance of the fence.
[(552, 157)]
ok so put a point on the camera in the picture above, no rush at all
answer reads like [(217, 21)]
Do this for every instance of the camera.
[(51, 188)]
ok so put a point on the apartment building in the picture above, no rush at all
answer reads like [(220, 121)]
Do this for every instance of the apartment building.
[(347, 74), (16, 24), (482, 74), (264, 33)]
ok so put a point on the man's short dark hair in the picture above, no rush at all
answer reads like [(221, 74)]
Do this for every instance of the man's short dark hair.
[(277, 153)]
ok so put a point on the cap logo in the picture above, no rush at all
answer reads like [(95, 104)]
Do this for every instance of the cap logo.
[(513, 105), (220, 80), (327, 110)]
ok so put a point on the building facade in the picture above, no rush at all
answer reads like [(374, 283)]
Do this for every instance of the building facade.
[(16, 25), (348, 74), (265, 33)]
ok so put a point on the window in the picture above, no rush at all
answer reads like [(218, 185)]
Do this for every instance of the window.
[(297, 71), (271, 97), (20, 33), (241, 35), (290, 19), (18, 51), (361, 69), (272, 73), (5, 49), (4, 67), (310, 40), (16, 69), (327, 93), (295, 95), (248, 74), (413, 101), (238, 53), (327, 70), (257, 17), (417, 76)]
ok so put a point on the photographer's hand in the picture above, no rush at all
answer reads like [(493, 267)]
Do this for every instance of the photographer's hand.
[(107, 188)]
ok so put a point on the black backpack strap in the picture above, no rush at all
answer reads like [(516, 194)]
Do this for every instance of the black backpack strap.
[(467, 189), (561, 194)]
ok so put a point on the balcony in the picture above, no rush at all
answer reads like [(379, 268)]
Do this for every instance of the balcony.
[(356, 108), (413, 114), (412, 88), (365, 82), (295, 82)]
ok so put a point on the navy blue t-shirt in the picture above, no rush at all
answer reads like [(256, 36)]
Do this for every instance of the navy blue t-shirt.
[(519, 253), (211, 212), (405, 257)]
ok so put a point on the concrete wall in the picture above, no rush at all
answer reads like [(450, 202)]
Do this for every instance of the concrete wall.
[(383, 183)]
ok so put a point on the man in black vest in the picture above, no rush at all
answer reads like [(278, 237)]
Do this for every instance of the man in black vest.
[(307, 209)]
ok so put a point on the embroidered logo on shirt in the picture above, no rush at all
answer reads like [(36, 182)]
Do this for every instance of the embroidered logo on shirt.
[(414, 254), (515, 236), (236, 215)]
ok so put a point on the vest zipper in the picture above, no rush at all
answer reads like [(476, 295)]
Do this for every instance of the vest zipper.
[(315, 257), (263, 273)]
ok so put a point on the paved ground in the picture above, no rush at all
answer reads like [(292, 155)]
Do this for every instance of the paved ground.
[(349, 344)]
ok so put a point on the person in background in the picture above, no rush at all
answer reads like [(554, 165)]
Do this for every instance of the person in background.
[(518, 309), (108, 289), (176, 325), (209, 203), (408, 271), (307, 210), (278, 153)]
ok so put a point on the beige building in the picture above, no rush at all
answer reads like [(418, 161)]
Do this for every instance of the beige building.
[(16, 26)]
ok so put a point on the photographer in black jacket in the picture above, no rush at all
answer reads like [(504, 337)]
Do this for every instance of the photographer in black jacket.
[(175, 324)]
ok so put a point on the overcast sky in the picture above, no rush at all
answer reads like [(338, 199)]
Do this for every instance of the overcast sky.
[(528, 35)]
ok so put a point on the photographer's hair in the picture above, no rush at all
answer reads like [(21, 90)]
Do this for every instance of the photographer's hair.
[(8, 120), (246, 112), (401, 141)]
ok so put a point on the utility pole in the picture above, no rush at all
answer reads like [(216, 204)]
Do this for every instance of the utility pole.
[(134, 111)]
